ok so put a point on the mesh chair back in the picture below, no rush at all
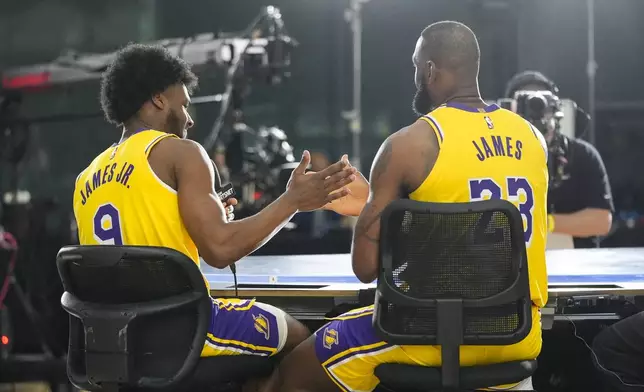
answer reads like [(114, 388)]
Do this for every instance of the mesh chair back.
[(472, 253), (138, 315)]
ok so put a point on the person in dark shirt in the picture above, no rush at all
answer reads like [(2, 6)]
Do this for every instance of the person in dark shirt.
[(579, 198), (619, 355)]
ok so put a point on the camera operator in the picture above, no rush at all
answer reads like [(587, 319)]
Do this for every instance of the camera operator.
[(579, 198)]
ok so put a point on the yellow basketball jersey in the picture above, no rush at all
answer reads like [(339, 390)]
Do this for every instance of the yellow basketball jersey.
[(119, 200), (493, 153)]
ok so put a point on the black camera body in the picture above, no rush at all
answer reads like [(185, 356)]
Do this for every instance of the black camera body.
[(538, 107)]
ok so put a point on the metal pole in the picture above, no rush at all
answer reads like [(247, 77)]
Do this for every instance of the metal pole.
[(591, 69), (354, 17)]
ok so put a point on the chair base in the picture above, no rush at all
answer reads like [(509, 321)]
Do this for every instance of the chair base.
[(396, 377)]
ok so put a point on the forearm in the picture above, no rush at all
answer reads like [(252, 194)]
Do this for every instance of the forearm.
[(585, 223), (246, 235), (273, 233), (364, 249)]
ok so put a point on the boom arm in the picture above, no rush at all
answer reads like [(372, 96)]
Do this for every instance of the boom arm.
[(200, 51)]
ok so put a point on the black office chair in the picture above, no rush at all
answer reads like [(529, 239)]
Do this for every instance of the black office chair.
[(452, 275), (138, 321)]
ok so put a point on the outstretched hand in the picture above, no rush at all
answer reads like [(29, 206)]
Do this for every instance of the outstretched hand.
[(310, 192)]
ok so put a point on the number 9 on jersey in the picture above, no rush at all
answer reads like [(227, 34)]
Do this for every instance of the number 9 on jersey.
[(107, 225)]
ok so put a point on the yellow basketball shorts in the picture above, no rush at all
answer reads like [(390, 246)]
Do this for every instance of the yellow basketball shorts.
[(349, 350)]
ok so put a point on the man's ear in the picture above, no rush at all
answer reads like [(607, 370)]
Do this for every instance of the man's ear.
[(432, 73), (159, 101)]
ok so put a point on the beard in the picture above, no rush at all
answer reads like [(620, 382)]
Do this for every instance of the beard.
[(173, 125), (423, 103)]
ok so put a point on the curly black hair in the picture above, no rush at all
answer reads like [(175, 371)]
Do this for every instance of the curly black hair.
[(137, 73)]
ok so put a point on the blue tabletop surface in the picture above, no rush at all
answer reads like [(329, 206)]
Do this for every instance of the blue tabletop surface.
[(565, 266)]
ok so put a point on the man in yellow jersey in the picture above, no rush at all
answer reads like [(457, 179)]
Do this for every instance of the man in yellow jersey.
[(459, 150), (154, 187)]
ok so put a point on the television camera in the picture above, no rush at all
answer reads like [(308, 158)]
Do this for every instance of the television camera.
[(557, 119), (542, 108)]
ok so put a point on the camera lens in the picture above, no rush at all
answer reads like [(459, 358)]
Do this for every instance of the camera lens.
[(537, 105)]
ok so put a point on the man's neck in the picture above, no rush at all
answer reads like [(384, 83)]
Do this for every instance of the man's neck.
[(134, 126), (468, 95)]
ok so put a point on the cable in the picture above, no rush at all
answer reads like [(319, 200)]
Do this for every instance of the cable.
[(596, 358), (209, 143), (233, 268), (268, 12), (8, 242)]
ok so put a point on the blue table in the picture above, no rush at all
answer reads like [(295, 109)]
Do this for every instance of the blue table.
[(593, 271)]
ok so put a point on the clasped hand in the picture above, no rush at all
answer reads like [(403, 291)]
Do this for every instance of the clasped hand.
[(312, 191), (357, 197)]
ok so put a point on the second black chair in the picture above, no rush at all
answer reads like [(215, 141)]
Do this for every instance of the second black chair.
[(452, 275)]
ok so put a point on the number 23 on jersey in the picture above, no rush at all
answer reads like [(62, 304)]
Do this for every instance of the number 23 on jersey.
[(107, 225), (516, 190)]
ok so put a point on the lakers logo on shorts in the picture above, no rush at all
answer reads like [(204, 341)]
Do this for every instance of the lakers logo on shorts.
[(330, 338), (261, 325)]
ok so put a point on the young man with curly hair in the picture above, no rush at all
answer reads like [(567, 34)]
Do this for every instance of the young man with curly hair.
[(155, 187)]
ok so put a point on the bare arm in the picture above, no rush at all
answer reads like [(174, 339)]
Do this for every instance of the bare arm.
[(222, 243), (594, 217), (588, 222), (389, 177)]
